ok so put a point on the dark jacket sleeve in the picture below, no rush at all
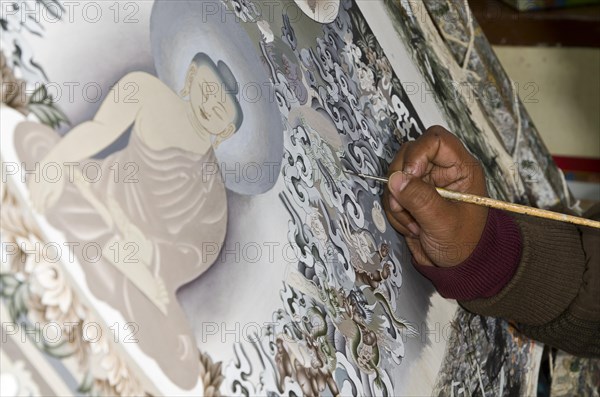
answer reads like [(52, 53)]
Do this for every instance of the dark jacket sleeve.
[(551, 289)]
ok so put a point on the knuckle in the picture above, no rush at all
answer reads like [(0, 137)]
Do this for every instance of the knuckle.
[(401, 217), (395, 166), (398, 162), (413, 165), (388, 214), (438, 130)]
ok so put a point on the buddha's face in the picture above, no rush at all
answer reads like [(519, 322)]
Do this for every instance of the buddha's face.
[(213, 106)]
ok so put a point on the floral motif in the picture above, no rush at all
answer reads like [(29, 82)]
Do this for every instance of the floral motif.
[(211, 375), (380, 104), (18, 56), (37, 291), (12, 89), (366, 78)]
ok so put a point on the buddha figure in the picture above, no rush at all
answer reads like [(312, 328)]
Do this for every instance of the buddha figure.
[(153, 215)]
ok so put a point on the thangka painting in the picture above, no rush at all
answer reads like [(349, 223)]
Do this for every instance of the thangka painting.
[(176, 219)]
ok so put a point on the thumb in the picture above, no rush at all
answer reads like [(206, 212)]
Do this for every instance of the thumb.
[(420, 199)]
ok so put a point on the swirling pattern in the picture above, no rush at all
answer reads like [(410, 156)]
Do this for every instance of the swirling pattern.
[(340, 318)]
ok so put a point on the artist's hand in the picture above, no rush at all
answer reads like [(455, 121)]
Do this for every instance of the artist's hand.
[(438, 231)]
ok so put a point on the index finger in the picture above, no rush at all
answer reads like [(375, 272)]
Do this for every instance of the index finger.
[(436, 147)]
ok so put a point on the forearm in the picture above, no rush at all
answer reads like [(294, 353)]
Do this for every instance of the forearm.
[(82, 142), (546, 281), (548, 274), (577, 328), (110, 122)]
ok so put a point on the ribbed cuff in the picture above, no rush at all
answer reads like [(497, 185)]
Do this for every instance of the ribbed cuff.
[(548, 278), (489, 268)]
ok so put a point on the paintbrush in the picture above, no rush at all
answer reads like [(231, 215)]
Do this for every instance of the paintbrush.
[(498, 204)]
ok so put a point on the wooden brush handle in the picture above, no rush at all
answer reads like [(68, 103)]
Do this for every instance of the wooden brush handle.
[(517, 208)]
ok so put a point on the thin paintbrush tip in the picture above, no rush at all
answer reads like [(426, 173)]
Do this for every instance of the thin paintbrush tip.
[(364, 176), (352, 173)]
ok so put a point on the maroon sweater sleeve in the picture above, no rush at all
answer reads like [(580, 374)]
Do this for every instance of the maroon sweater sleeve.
[(542, 275), (489, 268)]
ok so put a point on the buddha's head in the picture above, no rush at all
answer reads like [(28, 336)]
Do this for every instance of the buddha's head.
[(212, 90)]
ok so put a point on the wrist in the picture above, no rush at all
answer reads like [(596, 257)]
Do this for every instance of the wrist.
[(488, 268)]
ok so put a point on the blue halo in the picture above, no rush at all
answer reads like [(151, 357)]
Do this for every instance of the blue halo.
[(251, 159)]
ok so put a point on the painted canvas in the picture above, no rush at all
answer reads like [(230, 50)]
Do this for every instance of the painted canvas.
[(174, 200)]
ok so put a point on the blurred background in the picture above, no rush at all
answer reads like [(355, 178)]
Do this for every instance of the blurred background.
[(551, 50)]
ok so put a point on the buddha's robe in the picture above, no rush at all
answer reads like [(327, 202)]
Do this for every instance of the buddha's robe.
[(176, 198)]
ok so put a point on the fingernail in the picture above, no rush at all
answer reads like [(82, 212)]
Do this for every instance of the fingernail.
[(398, 181), (409, 170), (394, 205), (414, 228)]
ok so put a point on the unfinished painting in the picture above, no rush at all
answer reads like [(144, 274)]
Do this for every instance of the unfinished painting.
[(201, 207)]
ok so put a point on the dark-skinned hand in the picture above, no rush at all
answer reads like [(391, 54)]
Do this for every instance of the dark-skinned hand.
[(438, 232)]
